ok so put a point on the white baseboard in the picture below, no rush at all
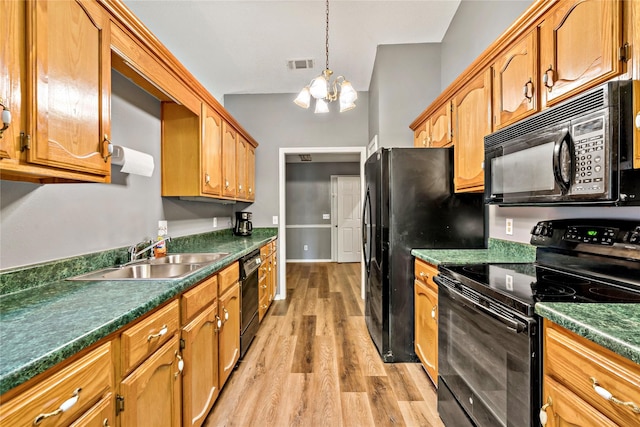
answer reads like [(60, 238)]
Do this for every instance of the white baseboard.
[(309, 260)]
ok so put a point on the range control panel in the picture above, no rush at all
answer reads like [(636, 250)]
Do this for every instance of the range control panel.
[(600, 232)]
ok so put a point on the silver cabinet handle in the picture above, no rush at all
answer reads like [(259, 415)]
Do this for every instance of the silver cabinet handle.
[(218, 324), (207, 178), (545, 78), (606, 394), (250, 190), (543, 412), (226, 183), (526, 92), (433, 312), (66, 405), (105, 423), (423, 274), (226, 315), (180, 365), (162, 332)]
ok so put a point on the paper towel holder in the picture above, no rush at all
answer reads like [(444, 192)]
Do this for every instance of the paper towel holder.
[(109, 147)]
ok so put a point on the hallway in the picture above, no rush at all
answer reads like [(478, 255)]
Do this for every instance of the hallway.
[(314, 364)]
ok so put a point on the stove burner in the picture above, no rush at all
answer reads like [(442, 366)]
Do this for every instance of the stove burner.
[(616, 294), (554, 290), (564, 280)]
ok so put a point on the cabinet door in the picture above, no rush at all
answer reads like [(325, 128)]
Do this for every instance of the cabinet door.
[(228, 160), (102, 414), (152, 393), (211, 152), (472, 111), (567, 409), (12, 62), (69, 84), (514, 82), (440, 127), (251, 173), (426, 329), (274, 276), (200, 376), (579, 47), (241, 167), (421, 135), (229, 336)]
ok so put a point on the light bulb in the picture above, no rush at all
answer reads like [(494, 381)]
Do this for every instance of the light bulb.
[(318, 88), (321, 106), (304, 98)]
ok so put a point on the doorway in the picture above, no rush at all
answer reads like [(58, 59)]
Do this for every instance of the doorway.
[(360, 156)]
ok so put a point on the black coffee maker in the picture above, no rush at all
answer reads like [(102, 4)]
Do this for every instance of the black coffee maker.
[(243, 225)]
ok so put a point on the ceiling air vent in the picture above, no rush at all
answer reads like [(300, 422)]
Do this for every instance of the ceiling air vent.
[(300, 64), (305, 157)]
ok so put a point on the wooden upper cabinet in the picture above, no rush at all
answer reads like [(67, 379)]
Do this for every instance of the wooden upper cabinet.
[(472, 121), (421, 135), (251, 172), (229, 136), (69, 85), (211, 152), (580, 42), (440, 127), (515, 83), (241, 167)]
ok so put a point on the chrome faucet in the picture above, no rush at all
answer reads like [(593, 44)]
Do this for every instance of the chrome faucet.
[(134, 253)]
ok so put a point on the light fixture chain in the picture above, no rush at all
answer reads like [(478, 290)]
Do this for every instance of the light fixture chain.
[(327, 37)]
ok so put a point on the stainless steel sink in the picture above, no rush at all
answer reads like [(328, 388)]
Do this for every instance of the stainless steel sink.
[(170, 267), (194, 258)]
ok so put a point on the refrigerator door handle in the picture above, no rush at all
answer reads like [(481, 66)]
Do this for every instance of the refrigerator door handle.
[(365, 240)]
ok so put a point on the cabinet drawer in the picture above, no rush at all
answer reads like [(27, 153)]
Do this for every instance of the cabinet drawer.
[(228, 276), (92, 375), (196, 299), (263, 306), (101, 415), (263, 288), (577, 362), (265, 251), (425, 273), (148, 335)]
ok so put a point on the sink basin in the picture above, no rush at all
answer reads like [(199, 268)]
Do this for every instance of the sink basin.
[(142, 271), (195, 258), (170, 267)]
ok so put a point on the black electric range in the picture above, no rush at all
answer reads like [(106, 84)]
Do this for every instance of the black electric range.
[(489, 336)]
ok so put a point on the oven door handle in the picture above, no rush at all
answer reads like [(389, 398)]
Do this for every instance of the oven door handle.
[(511, 324)]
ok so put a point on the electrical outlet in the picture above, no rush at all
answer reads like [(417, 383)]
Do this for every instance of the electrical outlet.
[(509, 226), (275, 220), (509, 282), (305, 247), (215, 222)]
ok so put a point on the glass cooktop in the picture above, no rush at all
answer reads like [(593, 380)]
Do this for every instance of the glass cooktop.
[(522, 285)]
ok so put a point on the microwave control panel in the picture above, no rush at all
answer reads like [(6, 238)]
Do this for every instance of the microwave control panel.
[(590, 156)]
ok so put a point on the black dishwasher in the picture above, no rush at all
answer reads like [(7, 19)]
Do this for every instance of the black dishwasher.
[(249, 321)]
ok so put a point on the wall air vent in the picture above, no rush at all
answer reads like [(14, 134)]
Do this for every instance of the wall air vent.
[(300, 64), (305, 157)]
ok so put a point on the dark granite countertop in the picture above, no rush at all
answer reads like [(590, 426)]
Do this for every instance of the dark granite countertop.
[(50, 321), (613, 326), (498, 251)]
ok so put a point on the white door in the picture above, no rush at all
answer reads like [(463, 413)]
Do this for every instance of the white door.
[(349, 219)]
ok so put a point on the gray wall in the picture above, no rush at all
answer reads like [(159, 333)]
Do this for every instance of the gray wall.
[(46, 222), (404, 81), (476, 24), (308, 196), (276, 122)]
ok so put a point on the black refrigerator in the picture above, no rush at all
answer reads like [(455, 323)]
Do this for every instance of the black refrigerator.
[(409, 204)]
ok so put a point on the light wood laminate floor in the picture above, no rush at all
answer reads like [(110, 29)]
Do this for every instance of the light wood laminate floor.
[(314, 364)]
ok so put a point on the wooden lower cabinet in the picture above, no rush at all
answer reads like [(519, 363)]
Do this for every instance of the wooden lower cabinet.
[(89, 381), (100, 415), (426, 318), (575, 370), (200, 377), (152, 394), (229, 335)]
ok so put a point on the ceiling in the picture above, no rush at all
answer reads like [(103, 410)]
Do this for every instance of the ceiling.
[(242, 47)]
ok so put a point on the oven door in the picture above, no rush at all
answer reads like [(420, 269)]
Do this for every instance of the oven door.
[(531, 168), (487, 360)]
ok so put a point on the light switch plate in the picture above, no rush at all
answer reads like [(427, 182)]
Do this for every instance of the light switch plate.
[(275, 220), (215, 222), (326, 216)]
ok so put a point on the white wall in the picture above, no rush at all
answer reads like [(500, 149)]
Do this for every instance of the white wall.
[(46, 222)]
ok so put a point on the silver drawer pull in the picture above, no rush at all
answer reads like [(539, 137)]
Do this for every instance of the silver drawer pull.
[(433, 312), (606, 394), (162, 332), (66, 405), (423, 274)]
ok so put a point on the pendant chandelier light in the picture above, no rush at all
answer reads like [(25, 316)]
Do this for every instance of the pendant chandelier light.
[(324, 90)]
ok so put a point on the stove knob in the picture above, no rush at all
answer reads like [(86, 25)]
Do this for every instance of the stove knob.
[(635, 238)]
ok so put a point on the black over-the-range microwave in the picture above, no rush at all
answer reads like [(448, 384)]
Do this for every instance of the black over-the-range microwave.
[(578, 152)]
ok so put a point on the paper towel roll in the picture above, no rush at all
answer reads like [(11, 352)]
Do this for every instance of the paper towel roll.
[(132, 161)]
